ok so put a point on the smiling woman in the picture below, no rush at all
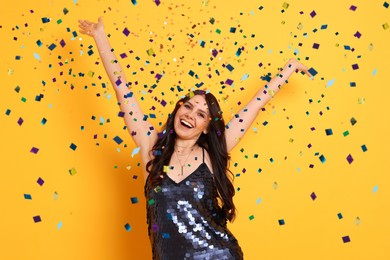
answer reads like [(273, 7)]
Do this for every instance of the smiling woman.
[(188, 185)]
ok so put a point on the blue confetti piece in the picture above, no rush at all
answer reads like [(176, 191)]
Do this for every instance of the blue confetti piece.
[(135, 151), (330, 83), (59, 225), (134, 2), (36, 56), (118, 140), (258, 201), (312, 71), (245, 77), (375, 189), (127, 227), (374, 72), (27, 196)]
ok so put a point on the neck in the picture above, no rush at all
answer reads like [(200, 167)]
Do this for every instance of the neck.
[(184, 146)]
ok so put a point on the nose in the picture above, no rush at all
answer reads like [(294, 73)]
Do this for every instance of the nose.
[(190, 115)]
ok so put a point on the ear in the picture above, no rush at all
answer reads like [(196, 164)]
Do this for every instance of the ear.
[(205, 131)]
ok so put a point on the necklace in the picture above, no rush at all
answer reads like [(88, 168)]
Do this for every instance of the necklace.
[(183, 164)]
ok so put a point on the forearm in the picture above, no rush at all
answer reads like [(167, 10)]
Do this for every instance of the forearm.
[(112, 66), (242, 120), (267, 92)]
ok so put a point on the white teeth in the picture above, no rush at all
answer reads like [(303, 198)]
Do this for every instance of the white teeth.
[(186, 123)]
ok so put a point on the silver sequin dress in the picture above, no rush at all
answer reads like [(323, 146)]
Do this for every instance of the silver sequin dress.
[(184, 220)]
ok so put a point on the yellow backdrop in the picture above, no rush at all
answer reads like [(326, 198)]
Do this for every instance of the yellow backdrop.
[(311, 174)]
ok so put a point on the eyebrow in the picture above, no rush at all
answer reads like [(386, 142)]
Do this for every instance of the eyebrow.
[(192, 105)]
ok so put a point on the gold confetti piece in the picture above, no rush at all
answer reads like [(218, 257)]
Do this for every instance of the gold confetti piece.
[(55, 195), (10, 72), (275, 185), (285, 5), (371, 47), (166, 168), (150, 52), (91, 73), (72, 171), (361, 100), (357, 221), (385, 26), (300, 26)]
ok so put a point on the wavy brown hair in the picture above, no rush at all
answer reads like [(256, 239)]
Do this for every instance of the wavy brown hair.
[(215, 144)]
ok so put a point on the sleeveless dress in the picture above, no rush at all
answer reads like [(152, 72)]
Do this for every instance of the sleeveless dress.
[(184, 219)]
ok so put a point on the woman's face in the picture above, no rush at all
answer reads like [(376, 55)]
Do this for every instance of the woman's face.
[(192, 118)]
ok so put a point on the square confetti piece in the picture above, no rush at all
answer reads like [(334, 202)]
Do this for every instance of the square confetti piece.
[(72, 171), (346, 239), (34, 150), (316, 46), (352, 8), (37, 219), (73, 146), (27, 196), (386, 4), (313, 196), (329, 131), (364, 148), (355, 66), (118, 140), (40, 181), (251, 217), (127, 227), (313, 13), (349, 159), (281, 222), (312, 72), (385, 26), (20, 121), (134, 200), (340, 216)]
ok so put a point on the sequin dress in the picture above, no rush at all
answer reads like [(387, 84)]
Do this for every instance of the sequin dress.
[(184, 220)]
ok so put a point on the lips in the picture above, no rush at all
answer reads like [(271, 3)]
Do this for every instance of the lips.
[(186, 124)]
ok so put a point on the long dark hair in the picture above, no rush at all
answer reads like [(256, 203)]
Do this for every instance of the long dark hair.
[(215, 144)]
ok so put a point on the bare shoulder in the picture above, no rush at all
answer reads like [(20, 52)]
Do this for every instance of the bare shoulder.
[(207, 160)]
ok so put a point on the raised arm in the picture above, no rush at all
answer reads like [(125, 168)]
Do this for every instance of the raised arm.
[(241, 121), (142, 132)]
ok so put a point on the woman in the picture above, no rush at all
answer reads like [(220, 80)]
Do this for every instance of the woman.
[(188, 185)]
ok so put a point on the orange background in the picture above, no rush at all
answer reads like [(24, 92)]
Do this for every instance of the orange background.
[(83, 216)]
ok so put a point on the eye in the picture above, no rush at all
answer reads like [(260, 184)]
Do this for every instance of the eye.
[(187, 106), (201, 115)]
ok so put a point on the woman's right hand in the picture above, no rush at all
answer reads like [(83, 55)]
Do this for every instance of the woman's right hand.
[(91, 28)]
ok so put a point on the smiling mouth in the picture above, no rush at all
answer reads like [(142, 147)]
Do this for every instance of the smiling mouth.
[(186, 124)]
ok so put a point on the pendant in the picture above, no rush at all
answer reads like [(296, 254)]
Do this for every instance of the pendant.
[(182, 167)]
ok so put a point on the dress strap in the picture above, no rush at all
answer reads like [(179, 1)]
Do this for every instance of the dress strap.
[(203, 153)]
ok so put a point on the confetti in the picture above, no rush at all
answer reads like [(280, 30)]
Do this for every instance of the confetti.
[(281, 222), (40, 181), (73, 146), (134, 200), (27, 196), (349, 159), (135, 151), (346, 239), (37, 219), (313, 196), (127, 227), (72, 171), (34, 150)]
